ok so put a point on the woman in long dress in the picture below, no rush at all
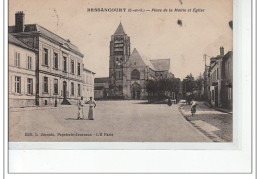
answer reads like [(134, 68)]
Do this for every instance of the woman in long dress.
[(92, 105), (80, 108)]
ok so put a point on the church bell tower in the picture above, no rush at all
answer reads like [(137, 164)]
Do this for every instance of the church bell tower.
[(119, 54)]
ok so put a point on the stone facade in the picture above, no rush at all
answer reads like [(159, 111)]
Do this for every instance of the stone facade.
[(128, 72)]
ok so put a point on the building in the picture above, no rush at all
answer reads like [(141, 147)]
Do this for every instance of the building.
[(58, 63), (221, 79), (215, 80), (101, 88), (128, 71), (206, 85), (227, 94), (21, 64), (88, 84)]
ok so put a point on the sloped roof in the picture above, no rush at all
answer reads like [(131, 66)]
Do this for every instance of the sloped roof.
[(101, 80), (161, 64), (49, 34), (13, 40), (119, 30), (136, 56)]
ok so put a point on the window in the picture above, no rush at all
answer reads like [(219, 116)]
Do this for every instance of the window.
[(55, 86), (29, 86), (56, 60), (72, 66), (17, 59), (135, 75), (79, 69), (65, 64), (45, 84), (29, 62), (78, 89), (45, 56), (72, 89), (18, 84)]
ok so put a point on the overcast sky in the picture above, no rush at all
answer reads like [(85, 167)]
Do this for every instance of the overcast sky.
[(154, 34)]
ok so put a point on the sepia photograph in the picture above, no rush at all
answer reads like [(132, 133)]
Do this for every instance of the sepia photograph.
[(107, 71)]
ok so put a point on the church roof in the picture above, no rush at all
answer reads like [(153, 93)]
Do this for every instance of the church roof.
[(161, 64), (156, 65), (136, 56), (119, 30)]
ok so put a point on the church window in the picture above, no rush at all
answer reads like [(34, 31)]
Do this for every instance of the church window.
[(135, 75)]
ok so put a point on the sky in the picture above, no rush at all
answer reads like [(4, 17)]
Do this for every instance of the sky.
[(154, 34)]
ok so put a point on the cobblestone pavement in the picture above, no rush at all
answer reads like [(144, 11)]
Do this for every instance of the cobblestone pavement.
[(217, 125), (115, 121)]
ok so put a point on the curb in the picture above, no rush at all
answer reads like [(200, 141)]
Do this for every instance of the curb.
[(185, 118)]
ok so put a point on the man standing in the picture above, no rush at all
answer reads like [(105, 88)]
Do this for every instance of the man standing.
[(92, 105), (80, 108)]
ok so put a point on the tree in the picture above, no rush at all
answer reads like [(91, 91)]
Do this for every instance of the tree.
[(162, 88), (188, 84)]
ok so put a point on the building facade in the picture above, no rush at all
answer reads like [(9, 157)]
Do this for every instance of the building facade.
[(88, 84), (218, 85), (128, 72), (58, 63), (227, 92), (21, 64)]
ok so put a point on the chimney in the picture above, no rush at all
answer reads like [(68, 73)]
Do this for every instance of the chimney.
[(222, 51), (19, 21)]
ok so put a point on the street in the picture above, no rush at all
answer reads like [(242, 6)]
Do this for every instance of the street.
[(115, 121)]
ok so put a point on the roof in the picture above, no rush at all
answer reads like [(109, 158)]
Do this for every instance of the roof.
[(101, 80), (49, 34), (85, 69), (227, 55), (161, 64), (13, 40), (119, 30), (136, 55)]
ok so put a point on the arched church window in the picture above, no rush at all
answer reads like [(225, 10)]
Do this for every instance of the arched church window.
[(135, 75)]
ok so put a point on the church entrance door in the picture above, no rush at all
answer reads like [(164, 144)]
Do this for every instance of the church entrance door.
[(136, 91)]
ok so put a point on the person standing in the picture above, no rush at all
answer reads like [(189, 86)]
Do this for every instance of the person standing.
[(193, 107), (92, 105), (80, 108)]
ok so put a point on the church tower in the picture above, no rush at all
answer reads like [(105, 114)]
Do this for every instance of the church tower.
[(119, 54)]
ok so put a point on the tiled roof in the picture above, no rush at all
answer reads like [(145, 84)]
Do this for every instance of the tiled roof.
[(101, 80), (119, 30), (49, 34), (13, 40), (161, 64)]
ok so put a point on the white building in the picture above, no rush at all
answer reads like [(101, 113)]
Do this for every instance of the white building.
[(59, 63), (21, 73), (88, 84)]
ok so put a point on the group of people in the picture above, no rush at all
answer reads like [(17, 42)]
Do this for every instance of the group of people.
[(92, 105)]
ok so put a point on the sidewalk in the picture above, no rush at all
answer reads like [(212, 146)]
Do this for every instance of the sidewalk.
[(215, 124), (229, 111), (33, 108)]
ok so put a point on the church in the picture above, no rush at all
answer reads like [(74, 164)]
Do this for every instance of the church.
[(128, 71)]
